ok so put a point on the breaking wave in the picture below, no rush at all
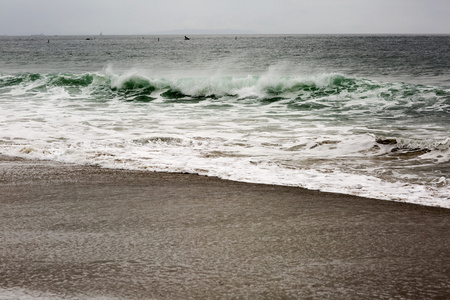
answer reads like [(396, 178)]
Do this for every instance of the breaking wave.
[(269, 88)]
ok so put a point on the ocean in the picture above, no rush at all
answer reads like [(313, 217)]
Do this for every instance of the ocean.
[(366, 115)]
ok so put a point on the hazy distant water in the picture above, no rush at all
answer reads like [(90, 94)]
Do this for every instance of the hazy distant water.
[(417, 59), (365, 115)]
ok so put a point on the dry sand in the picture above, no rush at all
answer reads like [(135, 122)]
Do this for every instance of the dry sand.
[(82, 232)]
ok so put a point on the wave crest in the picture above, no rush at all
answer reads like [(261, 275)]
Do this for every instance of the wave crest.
[(304, 92)]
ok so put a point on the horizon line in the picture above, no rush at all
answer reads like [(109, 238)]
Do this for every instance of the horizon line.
[(216, 33)]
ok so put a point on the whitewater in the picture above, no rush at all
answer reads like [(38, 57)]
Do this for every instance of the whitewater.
[(253, 109)]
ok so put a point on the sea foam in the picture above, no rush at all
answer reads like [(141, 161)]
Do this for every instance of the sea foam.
[(327, 131)]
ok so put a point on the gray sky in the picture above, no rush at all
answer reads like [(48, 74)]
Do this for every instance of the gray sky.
[(24, 17)]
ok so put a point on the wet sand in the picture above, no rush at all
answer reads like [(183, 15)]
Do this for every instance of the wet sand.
[(81, 232)]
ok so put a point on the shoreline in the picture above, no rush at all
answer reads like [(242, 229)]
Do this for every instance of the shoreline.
[(74, 231), (6, 158)]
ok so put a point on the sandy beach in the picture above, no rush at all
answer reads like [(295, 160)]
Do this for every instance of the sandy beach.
[(82, 232)]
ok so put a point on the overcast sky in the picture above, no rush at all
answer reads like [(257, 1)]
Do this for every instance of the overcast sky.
[(51, 17)]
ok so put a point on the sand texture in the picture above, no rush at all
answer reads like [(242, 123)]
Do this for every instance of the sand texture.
[(82, 232)]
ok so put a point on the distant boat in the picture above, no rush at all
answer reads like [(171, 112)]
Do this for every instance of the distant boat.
[(101, 33), (186, 38)]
